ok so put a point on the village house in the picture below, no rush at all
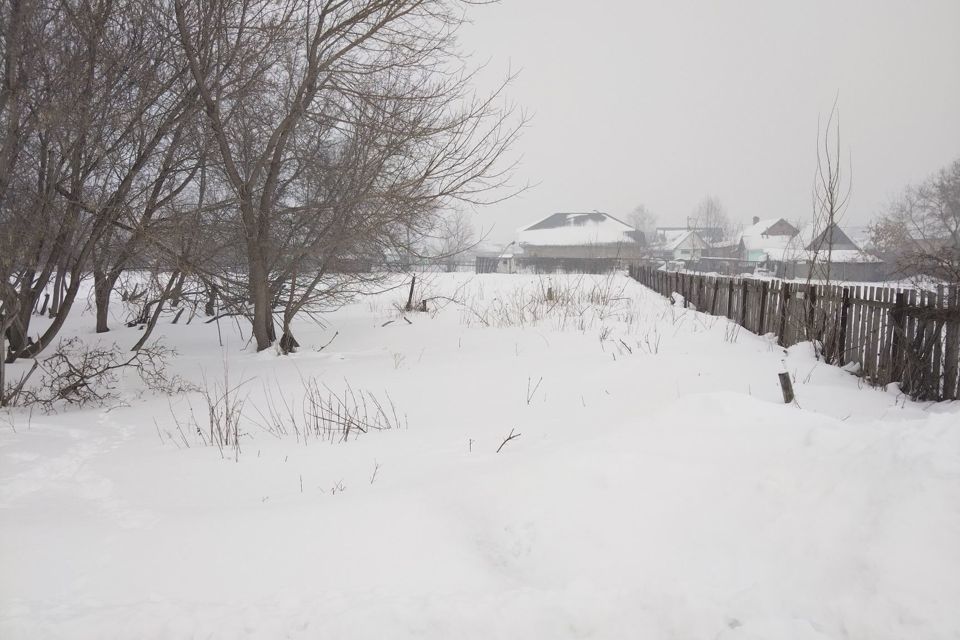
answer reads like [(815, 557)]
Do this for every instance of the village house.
[(679, 244), (593, 235), (829, 253), (765, 240)]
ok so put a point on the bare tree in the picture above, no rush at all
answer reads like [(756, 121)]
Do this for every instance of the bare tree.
[(831, 193), (341, 129), (711, 218), (642, 219), (454, 235), (920, 233), (111, 90), (251, 150)]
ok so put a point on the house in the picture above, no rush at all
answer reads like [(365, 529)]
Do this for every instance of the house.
[(829, 253), (580, 236), (765, 240), (493, 258), (680, 244)]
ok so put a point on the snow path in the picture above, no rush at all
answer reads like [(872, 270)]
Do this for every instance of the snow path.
[(655, 492)]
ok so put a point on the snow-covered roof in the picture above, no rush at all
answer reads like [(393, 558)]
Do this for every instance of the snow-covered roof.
[(801, 248), (673, 239), (576, 229), (756, 238)]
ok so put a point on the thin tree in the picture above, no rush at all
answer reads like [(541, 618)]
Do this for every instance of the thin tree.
[(831, 193)]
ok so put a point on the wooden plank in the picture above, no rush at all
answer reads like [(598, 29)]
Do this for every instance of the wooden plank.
[(791, 315), (844, 319), (936, 379), (924, 338), (773, 297), (732, 289), (865, 336), (863, 342), (875, 314), (897, 339), (784, 301), (929, 325), (857, 327), (884, 359), (743, 302), (951, 348), (910, 371), (764, 292), (831, 322)]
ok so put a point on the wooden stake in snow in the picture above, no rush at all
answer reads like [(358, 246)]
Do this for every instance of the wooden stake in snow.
[(786, 386), (409, 307)]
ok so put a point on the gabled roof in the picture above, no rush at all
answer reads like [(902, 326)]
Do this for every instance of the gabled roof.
[(832, 238), (672, 240), (805, 245), (760, 236), (575, 229)]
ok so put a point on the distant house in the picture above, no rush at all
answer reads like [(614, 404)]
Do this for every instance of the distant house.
[(766, 240), (679, 244), (812, 251), (592, 235), (494, 258)]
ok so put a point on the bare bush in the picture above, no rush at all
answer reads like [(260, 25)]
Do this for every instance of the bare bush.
[(327, 415), (579, 303), (78, 375)]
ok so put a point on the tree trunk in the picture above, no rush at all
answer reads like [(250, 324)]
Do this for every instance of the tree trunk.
[(177, 292), (102, 287), (57, 290), (174, 277), (288, 344), (210, 309), (69, 296), (263, 331), (17, 327)]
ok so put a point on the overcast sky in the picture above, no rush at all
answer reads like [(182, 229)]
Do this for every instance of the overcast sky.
[(664, 102)]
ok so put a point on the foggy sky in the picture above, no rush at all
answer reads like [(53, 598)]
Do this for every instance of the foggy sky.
[(665, 102)]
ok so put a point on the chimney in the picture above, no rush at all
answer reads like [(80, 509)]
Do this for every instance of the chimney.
[(756, 219)]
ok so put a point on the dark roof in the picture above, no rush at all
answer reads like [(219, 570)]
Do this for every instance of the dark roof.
[(559, 220), (837, 240)]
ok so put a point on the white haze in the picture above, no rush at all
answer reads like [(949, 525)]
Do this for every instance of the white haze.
[(662, 103)]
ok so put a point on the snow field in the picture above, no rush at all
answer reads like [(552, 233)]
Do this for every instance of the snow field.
[(659, 487)]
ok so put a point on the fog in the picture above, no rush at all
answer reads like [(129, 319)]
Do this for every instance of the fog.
[(662, 103)]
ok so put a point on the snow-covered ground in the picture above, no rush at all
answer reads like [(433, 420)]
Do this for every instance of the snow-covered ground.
[(659, 487)]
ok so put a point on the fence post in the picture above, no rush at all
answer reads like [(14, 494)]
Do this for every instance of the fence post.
[(730, 298), (844, 313), (784, 302), (743, 303), (764, 291), (811, 312), (951, 348), (899, 337)]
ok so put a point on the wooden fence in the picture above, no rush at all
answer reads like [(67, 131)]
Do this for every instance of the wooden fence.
[(895, 335)]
